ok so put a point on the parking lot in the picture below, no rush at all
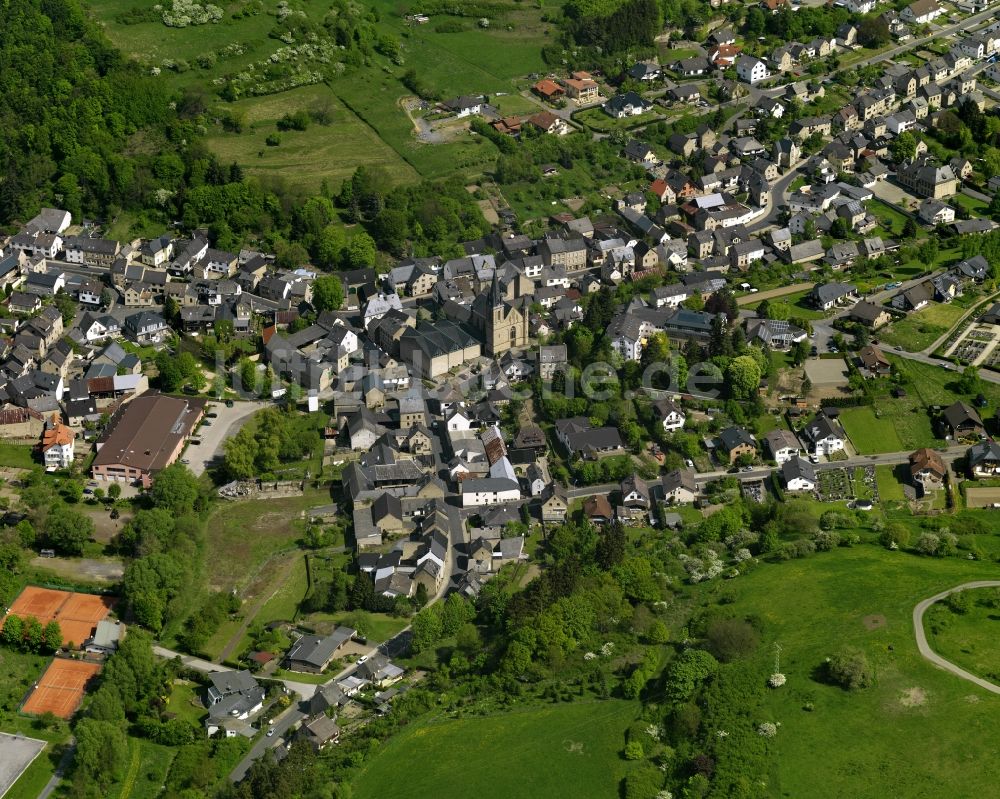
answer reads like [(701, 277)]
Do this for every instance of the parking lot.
[(213, 432)]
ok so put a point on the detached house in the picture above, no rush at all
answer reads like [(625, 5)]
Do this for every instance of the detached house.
[(927, 470), (825, 435), (781, 445), (751, 69), (961, 421), (797, 474), (983, 459), (146, 327)]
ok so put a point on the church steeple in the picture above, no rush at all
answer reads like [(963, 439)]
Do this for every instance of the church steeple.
[(496, 292)]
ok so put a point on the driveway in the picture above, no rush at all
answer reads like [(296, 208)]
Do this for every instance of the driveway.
[(213, 432), (930, 654)]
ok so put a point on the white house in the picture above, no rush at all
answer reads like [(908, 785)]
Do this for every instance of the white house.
[(798, 475), (935, 212), (921, 12), (489, 491), (751, 69), (860, 6), (825, 435), (782, 445), (57, 446), (671, 414)]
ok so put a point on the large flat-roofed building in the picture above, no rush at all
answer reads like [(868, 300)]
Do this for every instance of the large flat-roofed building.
[(145, 436)]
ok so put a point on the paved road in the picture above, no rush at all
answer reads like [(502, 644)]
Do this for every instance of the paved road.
[(284, 721), (212, 436), (64, 764), (930, 654)]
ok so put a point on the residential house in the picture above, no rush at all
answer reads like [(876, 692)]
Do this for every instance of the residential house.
[(58, 445), (983, 459), (751, 69), (597, 509), (874, 361), (146, 327), (961, 421), (677, 487), (735, 442), (829, 295), (314, 653), (625, 105), (781, 445), (870, 315), (798, 474), (927, 470), (232, 696), (824, 434), (580, 438)]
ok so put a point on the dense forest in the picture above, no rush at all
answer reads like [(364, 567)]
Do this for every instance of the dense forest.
[(71, 108), (91, 132)]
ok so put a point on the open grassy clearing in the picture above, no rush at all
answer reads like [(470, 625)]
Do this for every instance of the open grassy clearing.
[(185, 702), (307, 158), (801, 306), (869, 433), (374, 626), (933, 725), (243, 535), (889, 487), (154, 765), (922, 328), (556, 750), (937, 386), (970, 639), (16, 455), (971, 204), (888, 217)]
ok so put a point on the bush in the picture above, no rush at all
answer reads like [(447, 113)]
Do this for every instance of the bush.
[(634, 751), (272, 140), (730, 639), (850, 669), (959, 602)]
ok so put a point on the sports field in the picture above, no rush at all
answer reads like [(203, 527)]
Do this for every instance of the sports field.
[(61, 688), (556, 750), (77, 614), (16, 754)]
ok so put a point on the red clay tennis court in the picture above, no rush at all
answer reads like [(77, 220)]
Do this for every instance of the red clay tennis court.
[(61, 688), (77, 614)]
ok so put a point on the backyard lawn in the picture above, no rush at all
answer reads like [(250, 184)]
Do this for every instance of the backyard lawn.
[(869, 433), (922, 328), (556, 750), (889, 488)]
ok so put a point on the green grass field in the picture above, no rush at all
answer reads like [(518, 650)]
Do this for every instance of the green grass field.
[(889, 488), (970, 640), (929, 732), (184, 703), (557, 750), (17, 455), (321, 152), (922, 328), (868, 433), (971, 204), (888, 217), (243, 535)]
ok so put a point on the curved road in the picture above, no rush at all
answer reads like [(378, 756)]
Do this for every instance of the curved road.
[(930, 654)]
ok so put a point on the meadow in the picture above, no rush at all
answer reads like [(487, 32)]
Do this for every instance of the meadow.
[(871, 432), (320, 153), (896, 425), (920, 329), (555, 750), (369, 126), (932, 726), (968, 638)]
